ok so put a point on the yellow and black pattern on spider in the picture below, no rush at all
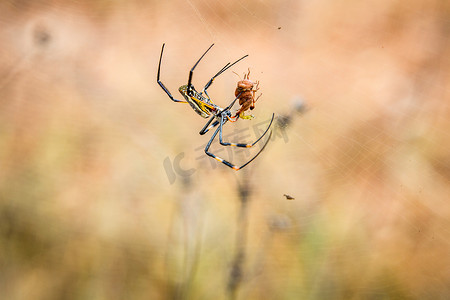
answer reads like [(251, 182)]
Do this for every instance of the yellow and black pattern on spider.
[(199, 103), (202, 104)]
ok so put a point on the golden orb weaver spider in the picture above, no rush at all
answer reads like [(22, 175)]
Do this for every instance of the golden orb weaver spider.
[(202, 104)]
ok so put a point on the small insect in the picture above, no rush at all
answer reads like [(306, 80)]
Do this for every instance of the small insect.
[(246, 92), (288, 197), (202, 104)]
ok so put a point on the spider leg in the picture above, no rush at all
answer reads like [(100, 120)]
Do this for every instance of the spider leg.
[(259, 152), (232, 119), (232, 103), (207, 127), (226, 67), (225, 162), (241, 144), (161, 84), (191, 73)]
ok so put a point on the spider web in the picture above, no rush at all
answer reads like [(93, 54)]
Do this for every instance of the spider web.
[(104, 181)]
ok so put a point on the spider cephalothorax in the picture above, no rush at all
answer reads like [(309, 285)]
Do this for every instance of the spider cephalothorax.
[(202, 104)]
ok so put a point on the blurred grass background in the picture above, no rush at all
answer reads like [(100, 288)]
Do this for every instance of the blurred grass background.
[(93, 205)]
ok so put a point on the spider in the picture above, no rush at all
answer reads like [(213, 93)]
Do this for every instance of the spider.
[(202, 104)]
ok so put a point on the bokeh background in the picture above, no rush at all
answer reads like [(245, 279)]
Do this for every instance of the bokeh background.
[(105, 192)]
